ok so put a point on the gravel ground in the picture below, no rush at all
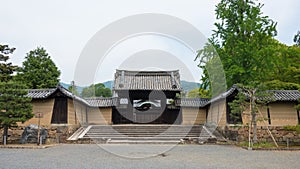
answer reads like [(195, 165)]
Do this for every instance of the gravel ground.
[(137, 156)]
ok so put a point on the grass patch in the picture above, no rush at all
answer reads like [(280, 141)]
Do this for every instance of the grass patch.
[(258, 145), (292, 128)]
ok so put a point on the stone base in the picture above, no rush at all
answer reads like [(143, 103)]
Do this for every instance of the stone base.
[(56, 134), (281, 135)]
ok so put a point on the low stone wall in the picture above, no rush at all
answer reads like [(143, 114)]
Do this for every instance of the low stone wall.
[(281, 135), (56, 134)]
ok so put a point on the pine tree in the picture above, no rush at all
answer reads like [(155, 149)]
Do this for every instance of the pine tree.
[(14, 105), (38, 70), (6, 69)]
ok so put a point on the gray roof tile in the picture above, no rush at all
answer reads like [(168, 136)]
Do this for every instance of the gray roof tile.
[(191, 102), (147, 80), (285, 95), (279, 95), (92, 102), (40, 93), (100, 102)]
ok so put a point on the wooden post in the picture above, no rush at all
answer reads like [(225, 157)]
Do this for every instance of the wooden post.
[(39, 115), (249, 133)]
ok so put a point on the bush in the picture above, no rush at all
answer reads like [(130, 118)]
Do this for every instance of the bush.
[(293, 128)]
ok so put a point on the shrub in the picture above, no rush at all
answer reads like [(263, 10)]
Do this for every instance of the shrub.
[(293, 128)]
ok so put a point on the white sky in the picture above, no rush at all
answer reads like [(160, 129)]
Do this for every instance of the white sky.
[(63, 28)]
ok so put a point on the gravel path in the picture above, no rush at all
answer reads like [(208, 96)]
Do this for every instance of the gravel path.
[(182, 156)]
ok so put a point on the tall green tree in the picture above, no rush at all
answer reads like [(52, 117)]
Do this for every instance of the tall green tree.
[(38, 70), (243, 39), (97, 90), (14, 105)]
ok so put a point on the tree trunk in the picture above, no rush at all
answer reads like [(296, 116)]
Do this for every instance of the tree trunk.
[(254, 128), (253, 113), (5, 133)]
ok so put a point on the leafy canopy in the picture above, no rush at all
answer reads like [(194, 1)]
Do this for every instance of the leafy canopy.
[(243, 41), (198, 93), (74, 90), (38, 70), (96, 90)]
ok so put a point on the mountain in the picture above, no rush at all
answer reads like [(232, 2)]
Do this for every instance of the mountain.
[(65, 85), (186, 86), (109, 84)]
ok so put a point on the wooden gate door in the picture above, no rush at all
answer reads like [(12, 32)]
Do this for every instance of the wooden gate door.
[(60, 111)]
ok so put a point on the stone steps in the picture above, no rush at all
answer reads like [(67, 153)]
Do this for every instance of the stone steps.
[(143, 142), (144, 134), (76, 134)]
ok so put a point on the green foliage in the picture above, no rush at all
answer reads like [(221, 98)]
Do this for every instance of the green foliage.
[(198, 93), (245, 45), (250, 96), (293, 128), (213, 78), (259, 145), (243, 39), (38, 70), (279, 85), (14, 105), (297, 39), (96, 90), (74, 90), (238, 105), (297, 107), (6, 69), (285, 73)]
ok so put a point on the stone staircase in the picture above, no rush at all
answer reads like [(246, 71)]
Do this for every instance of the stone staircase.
[(144, 134)]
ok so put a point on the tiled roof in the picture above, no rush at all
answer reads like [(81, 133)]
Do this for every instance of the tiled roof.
[(100, 102), (224, 95), (147, 80), (278, 95), (40, 93), (71, 95), (285, 95), (191, 102), (45, 93)]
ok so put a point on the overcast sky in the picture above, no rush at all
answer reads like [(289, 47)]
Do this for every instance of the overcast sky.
[(63, 28)]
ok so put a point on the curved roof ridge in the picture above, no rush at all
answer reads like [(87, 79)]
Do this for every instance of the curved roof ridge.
[(147, 71)]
